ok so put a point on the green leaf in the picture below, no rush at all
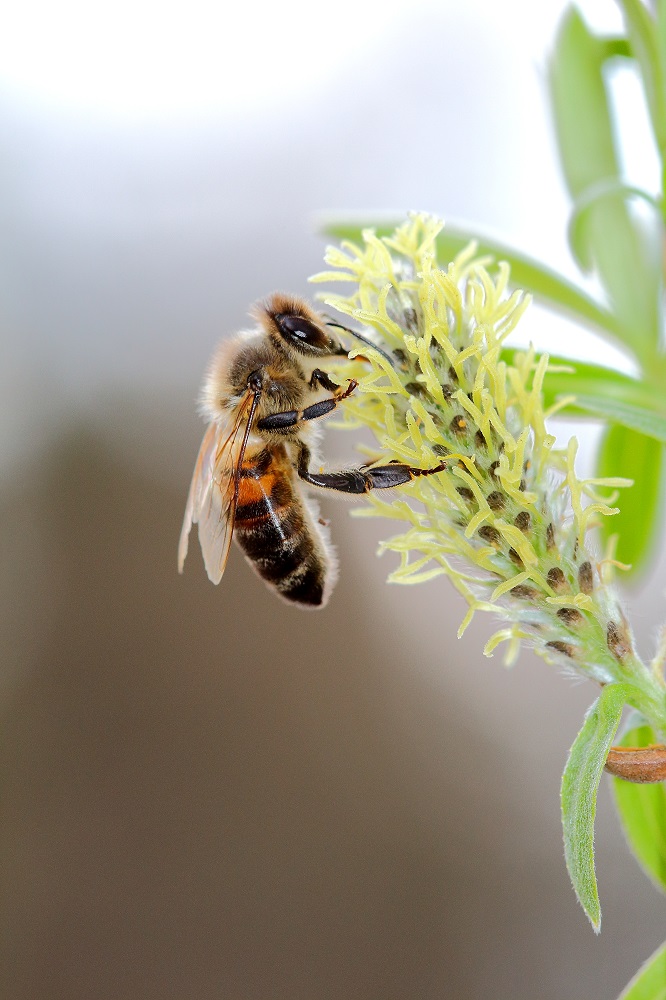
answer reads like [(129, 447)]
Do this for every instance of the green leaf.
[(580, 783), (594, 382), (642, 32), (649, 983), (660, 33), (629, 453), (642, 811), (593, 197), (526, 273), (607, 236), (582, 117), (636, 417), (661, 55)]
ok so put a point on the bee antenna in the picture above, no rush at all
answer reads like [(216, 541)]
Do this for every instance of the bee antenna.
[(364, 340)]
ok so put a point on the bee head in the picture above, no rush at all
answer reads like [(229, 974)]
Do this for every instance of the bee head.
[(290, 321)]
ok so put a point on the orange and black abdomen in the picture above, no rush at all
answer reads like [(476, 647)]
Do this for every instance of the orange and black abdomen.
[(274, 528)]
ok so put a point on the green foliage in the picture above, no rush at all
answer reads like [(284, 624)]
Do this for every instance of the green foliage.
[(580, 783), (642, 811), (649, 54), (645, 421), (649, 983), (607, 238), (640, 458)]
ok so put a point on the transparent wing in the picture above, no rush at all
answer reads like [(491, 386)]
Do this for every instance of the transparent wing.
[(213, 495), (201, 478)]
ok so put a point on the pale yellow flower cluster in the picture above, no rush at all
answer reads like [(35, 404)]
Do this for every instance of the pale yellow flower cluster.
[(507, 521)]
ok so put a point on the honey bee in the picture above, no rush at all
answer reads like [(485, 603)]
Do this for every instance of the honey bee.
[(262, 395)]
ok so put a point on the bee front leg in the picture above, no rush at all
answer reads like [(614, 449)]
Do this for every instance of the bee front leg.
[(288, 418), (357, 481), (321, 378)]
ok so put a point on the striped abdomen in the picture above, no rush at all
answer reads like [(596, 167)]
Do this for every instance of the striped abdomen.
[(276, 531)]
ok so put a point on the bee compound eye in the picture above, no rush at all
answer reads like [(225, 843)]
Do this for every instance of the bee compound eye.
[(300, 330)]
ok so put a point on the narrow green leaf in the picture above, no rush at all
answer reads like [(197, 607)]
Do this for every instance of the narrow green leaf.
[(638, 418), (596, 382), (642, 811), (526, 273), (661, 55), (660, 33), (626, 452), (606, 235), (649, 983), (582, 117), (593, 196), (642, 32), (580, 783)]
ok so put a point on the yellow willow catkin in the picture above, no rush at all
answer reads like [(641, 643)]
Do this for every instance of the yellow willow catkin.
[(507, 519)]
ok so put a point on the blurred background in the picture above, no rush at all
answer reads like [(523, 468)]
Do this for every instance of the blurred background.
[(205, 792)]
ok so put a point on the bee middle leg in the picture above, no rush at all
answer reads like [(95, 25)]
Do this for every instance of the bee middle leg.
[(288, 418), (357, 481)]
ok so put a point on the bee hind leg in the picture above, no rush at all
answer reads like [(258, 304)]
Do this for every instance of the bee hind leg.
[(358, 481)]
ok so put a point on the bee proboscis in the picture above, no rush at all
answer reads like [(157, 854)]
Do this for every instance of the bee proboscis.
[(262, 396)]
